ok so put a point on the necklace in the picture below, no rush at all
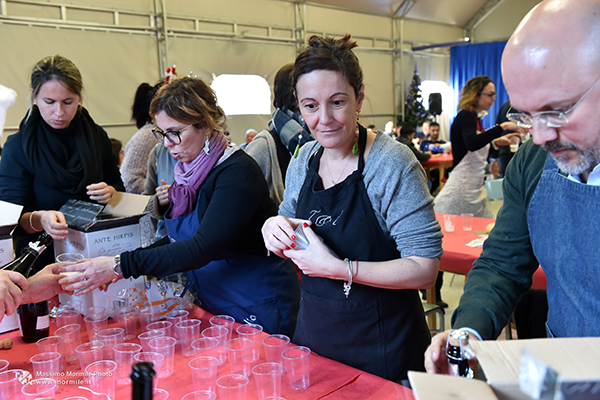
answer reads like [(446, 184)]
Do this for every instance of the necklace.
[(341, 173)]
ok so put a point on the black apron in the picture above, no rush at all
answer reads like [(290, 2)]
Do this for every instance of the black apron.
[(381, 331)]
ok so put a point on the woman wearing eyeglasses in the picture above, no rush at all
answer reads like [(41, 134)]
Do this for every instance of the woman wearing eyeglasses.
[(464, 191), (58, 154), (218, 203)]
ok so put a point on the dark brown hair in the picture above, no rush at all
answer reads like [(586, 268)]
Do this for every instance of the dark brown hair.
[(189, 101), (333, 55), (56, 67)]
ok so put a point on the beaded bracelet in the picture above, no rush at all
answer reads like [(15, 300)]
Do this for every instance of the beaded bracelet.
[(31, 222), (348, 285)]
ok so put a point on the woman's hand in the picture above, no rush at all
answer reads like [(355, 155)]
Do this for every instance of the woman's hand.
[(93, 273), (162, 193), (317, 260), (278, 233), (54, 223), (100, 192), (507, 139)]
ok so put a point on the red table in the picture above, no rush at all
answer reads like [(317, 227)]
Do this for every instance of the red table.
[(440, 163), (458, 258), (328, 379)]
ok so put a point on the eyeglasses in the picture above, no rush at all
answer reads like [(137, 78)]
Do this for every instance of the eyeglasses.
[(493, 94), (552, 119), (172, 136)]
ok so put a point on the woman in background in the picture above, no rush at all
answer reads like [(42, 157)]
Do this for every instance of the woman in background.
[(137, 150), (217, 206), (464, 192), (380, 238), (59, 153)]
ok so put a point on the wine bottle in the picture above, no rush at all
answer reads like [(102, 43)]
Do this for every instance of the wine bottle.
[(34, 319), (458, 359), (23, 263), (142, 374)]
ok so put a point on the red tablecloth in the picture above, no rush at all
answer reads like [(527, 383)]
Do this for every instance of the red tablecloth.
[(458, 257), (328, 379)]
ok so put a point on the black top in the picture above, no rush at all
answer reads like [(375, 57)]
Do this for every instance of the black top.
[(233, 205), (41, 167), (464, 136)]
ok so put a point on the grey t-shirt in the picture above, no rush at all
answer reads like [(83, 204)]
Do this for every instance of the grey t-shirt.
[(397, 187)]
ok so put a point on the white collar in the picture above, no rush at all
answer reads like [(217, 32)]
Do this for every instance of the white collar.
[(593, 179), (481, 114)]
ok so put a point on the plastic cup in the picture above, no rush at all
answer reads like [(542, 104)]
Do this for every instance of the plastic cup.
[(161, 326), (225, 321), (467, 221), (70, 257), (159, 394), (205, 347), (89, 353), (296, 361), (95, 323), (147, 337), (200, 395), (52, 344), (157, 361), (11, 382), (46, 365), (3, 365), (268, 379), (165, 345), (124, 355), (72, 304), (39, 388), (102, 377), (176, 316), (72, 338), (449, 222), (111, 337), (239, 352), (514, 145), (148, 315), (67, 317), (252, 332), (232, 387), (274, 346), (187, 331), (127, 318), (204, 373), (95, 310), (219, 333)]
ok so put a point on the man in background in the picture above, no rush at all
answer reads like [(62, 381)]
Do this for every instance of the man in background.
[(250, 134)]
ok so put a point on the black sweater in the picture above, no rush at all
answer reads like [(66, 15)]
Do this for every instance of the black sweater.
[(464, 137), (234, 203)]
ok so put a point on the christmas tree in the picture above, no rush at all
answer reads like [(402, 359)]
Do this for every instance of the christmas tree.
[(414, 111)]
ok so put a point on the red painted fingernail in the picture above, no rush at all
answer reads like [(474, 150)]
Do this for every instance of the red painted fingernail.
[(293, 245), (293, 237), (305, 224), (287, 247)]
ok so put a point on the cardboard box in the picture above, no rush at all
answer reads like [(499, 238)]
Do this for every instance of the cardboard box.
[(9, 218), (576, 360), (116, 230)]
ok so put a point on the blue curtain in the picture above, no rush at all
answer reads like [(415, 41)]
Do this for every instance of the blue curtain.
[(467, 61)]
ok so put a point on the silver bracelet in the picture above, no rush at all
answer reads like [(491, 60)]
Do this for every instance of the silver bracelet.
[(348, 285), (31, 222)]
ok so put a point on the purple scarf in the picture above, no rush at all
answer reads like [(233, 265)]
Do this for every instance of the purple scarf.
[(190, 176)]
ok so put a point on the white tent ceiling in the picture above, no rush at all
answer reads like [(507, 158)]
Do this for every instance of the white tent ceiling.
[(464, 13)]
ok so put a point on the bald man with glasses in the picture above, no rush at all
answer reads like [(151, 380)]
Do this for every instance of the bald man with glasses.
[(551, 69)]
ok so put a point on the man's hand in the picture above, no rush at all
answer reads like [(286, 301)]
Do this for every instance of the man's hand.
[(11, 286)]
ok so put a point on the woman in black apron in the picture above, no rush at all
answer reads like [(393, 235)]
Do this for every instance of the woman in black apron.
[(217, 205), (366, 198)]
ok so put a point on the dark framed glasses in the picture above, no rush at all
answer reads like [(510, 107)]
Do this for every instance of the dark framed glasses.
[(172, 136)]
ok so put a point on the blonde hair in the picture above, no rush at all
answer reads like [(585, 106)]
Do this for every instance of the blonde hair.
[(471, 92)]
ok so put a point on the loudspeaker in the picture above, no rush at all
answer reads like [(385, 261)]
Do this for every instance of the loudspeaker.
[(435, 103)]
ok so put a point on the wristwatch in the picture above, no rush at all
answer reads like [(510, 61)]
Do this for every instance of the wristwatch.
[(117, 267)]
